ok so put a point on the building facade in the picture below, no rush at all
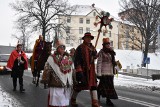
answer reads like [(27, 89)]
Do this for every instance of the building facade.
[(82, 21)]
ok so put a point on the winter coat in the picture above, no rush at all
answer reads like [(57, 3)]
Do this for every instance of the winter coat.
[(85, 67), (37, 50), (105, 63), (54, 76)]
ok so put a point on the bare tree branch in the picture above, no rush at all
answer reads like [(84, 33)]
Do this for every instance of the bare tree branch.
[(41, 13)]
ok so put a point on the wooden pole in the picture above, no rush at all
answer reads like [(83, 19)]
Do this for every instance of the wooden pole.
[(97, 38)]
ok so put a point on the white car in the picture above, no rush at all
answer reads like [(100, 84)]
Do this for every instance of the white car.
[(3, 62)]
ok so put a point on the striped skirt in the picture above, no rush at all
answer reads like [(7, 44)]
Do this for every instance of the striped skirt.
[(106, 87)]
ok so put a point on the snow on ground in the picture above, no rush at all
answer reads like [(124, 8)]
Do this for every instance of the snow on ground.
[(7, 100), (137, 83), (122, 80), (127, 58)]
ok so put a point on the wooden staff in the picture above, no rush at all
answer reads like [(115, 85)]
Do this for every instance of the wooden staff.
[(97, 38)]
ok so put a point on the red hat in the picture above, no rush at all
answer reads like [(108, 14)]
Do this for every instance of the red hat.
[(106, 41), (88, 34)]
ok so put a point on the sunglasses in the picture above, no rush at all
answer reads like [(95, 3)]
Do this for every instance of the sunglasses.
[(106, 44)]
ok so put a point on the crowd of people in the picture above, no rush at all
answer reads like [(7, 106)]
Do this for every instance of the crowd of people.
[(67, 74)]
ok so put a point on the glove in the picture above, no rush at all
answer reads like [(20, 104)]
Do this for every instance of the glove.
[(94, 53), (79, 76), (99, 77)]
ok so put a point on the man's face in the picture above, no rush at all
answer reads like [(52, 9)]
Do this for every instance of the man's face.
[(41, 37), (61, 50), (19, 48), (87, 39)]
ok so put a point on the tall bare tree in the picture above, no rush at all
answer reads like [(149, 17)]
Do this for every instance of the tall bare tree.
[(41, 14), (22, 34), (144, 14)]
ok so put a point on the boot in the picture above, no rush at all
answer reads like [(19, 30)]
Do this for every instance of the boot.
[(95, 103), (22, 89), (34, 80), (109, 102), (14, 89), (73, 103), (94, 98)]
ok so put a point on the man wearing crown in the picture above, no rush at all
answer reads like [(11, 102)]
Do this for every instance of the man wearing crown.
[(85, 70), (37, 51)]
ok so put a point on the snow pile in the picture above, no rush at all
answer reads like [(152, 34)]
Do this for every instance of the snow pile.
[(133, 59), (7, 101), (137, 83)]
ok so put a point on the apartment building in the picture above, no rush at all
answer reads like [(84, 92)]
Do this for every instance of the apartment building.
[(82, 20)]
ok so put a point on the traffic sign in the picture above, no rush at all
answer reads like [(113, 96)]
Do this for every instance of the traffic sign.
[(147, 61)]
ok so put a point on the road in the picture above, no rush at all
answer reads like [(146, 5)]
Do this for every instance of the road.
[(37, 96)]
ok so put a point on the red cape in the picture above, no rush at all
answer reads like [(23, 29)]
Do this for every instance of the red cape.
[(14, 55)]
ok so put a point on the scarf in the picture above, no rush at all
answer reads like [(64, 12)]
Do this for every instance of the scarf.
[(63, 61)]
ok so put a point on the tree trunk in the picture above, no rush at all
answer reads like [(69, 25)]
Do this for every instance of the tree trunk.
[(44, 33), (154, 45), (145, 53)]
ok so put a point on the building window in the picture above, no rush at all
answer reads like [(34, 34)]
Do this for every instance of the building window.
[(67, 40), (132, 29), (122, 26), (104, 33), (111, 43), (110, 34), (80, 30), (68, 29), (159, 29), (87, 21), (87, 29), (94, 13), (68, 19), (80, 40), (80, 20)]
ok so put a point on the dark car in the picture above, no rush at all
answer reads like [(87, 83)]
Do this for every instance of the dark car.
[(3, 62)]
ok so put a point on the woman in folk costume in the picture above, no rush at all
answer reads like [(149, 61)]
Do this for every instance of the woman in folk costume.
[(37, 51), (58, 75), (105, 72), (17, 63), (85, 70)]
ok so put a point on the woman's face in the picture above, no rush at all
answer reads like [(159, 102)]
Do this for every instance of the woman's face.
[(107, 45), (61, 50)]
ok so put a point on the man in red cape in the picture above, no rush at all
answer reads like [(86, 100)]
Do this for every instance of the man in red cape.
[(17, 63)]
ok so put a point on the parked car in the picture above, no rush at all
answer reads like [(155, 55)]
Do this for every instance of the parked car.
[(3, 62)]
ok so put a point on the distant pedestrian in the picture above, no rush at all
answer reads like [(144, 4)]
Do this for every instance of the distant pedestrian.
[(17, 62), (58, 75), (72, 53), (105, 72)]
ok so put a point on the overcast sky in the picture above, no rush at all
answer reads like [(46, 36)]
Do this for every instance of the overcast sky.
[(7, 16)]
